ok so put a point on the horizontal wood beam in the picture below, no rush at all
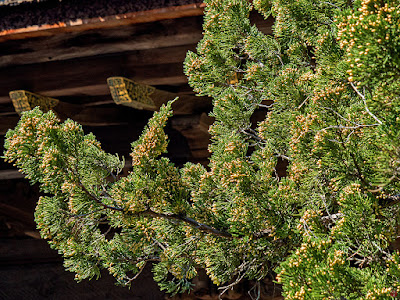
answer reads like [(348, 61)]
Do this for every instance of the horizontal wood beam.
[(91, 43), (138, 57), (76, 52), (87, 75), (17, 214), (169, 33), (10, 174), (24, 251), (80, 25), (124, 91)]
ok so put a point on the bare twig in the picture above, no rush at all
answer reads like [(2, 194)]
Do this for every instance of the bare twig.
[(97, 200), (245, 87), (327, 220), (257, 291), (160, 244), (329, 3), (252, 134), (265, 106), (382, 187), (357, 126), (138, 273), (339, 115), (365, 104), (279, 57), (241, 271), (302, 103), (283, 157)]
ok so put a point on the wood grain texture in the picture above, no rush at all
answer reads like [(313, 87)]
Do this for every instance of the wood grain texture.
[(104, 19)]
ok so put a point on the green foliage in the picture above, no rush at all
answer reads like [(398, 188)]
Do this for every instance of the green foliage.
[(330, 80)]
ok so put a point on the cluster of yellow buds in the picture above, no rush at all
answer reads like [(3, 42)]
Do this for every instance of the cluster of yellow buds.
[(367, 35)]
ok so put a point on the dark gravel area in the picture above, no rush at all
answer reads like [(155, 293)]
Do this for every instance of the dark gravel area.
[(53, 11)]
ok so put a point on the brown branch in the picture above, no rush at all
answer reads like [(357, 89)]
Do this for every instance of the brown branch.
[(175, 217), (78, 182), (187, 220), (252, 134), (93, 197), (149, 258), (137, 274)]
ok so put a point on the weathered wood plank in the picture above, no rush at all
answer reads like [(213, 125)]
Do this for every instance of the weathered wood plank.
[(90, 43), (18, 214), (104, 22), (167, 33), (99, 116), (162, 55), (33, 276), (10, 174), (75, 51), (18, 221), (26, 251), (123, 90)]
